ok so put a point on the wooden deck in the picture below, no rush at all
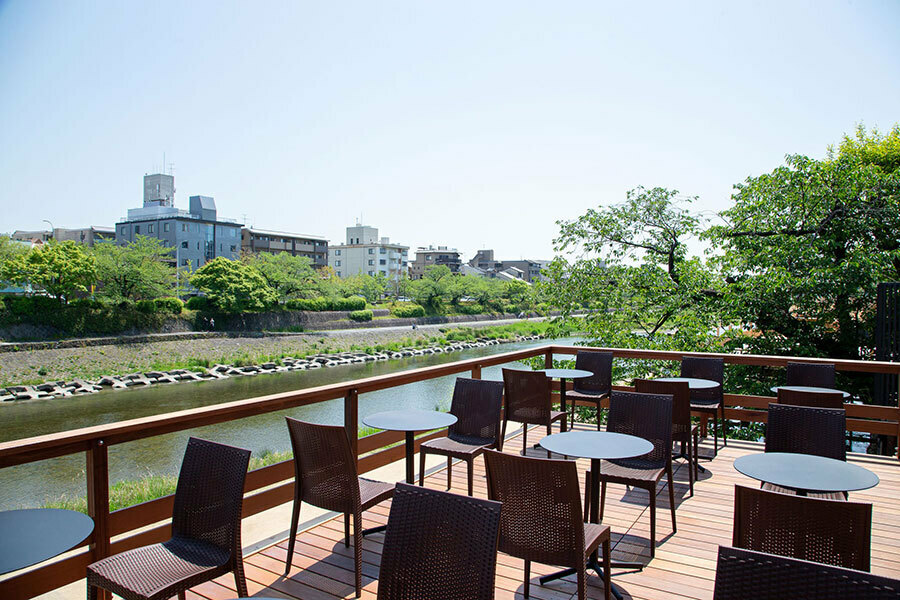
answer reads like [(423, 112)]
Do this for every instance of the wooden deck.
[(684, 566)]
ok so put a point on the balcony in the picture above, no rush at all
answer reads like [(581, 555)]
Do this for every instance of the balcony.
[(684, 566)]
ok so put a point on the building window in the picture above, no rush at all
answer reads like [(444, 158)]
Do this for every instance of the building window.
[(165, 227), (338, 273), (371, 250), (382, 250), (184, 226), (372, 273), (150, 228), (371, 262), (337, 252), (233, 232), (220, 247), (123, 231), (427, 257), (381, 262), (337, 263), (184, 245), (198, 245), (137, 229), (233, 247)]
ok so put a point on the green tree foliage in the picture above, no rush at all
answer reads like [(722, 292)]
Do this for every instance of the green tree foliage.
[(62, 269), (872, 148), (141, 270), (369, 287), (233, 286), (288, 276)]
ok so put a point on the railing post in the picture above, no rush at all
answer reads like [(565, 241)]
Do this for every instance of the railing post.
[(898, 417), (98, 501), (476, 372), (548, 359), (351, 419)]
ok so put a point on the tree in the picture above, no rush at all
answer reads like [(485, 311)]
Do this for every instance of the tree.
[(141, 270), (431, 289), (233, 286), (369, 287), (871, 148), (288, 276), (62, 269)]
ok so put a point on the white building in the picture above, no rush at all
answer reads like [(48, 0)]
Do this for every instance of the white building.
[(367, 254)]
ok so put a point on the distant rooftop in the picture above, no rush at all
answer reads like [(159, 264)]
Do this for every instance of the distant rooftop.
[(284, 233)]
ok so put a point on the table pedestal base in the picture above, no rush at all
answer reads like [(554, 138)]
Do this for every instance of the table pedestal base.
[(594, 564), (372, 530)]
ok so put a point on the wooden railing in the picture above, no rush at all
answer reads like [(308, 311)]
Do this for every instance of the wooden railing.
[(271, 486)]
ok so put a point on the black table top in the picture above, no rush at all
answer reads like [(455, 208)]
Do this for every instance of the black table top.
[(596, 444), (567, 373), (410, 419), (809, 388), (693, 382), (806, 472), (33, 535)]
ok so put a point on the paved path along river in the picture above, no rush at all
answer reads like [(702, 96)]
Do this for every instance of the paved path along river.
[(32, 484)]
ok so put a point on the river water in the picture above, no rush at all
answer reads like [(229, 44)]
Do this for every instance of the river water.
[(32, 484)]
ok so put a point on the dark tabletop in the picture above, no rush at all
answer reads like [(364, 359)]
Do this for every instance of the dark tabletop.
[(809, 388), (567, 373), (693, 382), (806, 472), (596, 444), (411, 419), (33, 535)]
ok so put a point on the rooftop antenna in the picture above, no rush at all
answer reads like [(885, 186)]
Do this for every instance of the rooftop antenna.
[(163, 170), (244, 215)]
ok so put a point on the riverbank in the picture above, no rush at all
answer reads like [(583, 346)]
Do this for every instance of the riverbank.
[(54, 365)]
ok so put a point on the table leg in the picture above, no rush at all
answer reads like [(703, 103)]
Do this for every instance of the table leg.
[(410, 456), (562, 404)]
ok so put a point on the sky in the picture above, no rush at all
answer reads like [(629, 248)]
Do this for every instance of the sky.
[(467, 124)]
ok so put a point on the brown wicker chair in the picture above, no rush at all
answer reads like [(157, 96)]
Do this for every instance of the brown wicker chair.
[(708, 401), (595, 388), (743, 574), (814, 399), (206, 532), (477, 405), (325, 476), (648, 416), (810, 374), (528, 401), (439, 546), (683, 430), (824, 531), (806, 430), (541, 518)]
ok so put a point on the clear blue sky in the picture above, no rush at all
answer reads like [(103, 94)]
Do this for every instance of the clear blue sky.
[(471, 124)]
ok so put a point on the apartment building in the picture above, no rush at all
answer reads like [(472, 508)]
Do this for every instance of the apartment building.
[(313, 247), (431, 256), (365, 253)]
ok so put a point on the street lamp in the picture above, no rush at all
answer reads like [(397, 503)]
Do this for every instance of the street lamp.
[(52, 229)]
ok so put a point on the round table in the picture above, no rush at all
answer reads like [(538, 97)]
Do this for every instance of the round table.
[(809, 388), (562, 375), (693, 382), (596, 445), (806, 472), (410, 421), (33, 535)]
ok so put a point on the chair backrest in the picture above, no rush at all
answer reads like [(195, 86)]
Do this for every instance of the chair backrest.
[(210, 494), (806, 430), (810, 374), (825, 531), (598, 363), (814, 399), (477, 405), (645, 415), (681, 398), (324, 466), (742, 574), (704, 367), (439, 546), (541, 518), (527, 396)]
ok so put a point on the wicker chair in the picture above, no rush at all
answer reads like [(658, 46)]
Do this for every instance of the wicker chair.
[(596, 387), (528, 401), (810, 374), (742, 574), (806, 430), (477, 405), (439, 546), (541, 518), (206, 532), (648, 416), (683, 430), (325, 476), (708, 401), (814, 399), (824, 531)]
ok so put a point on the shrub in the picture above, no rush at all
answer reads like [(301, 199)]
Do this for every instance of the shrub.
[(147, 307), (361, 315), (314, 304), (407, 310), (88, 303), (470, 309), (172, 306), (355, 303), (32, 305), (200, 303)]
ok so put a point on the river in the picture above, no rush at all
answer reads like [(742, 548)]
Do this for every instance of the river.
[(32, 484)]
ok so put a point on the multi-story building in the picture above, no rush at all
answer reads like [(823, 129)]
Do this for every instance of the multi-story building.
[(263, 240), (365, 253), (524, 269), (196, 235), (84, 235), (431, 256)]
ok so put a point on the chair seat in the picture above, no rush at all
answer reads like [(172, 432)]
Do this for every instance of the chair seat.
[(556, 415), (594, 535), (679, 429), (612, 472), (586, 395), (158, 570), (769, 487), (447, 447), (703, 405), (372, 492)]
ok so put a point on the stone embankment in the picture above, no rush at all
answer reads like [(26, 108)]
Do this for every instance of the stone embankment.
[(62, 389)]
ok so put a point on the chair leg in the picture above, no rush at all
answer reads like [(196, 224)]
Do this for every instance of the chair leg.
[(93, 593), (602, 498), (607, 569), (470, 472), (357, 550), (527, 578), (422, 454), (550, 430), (671, 498), (587, 495), (652, 522), (715, 434), (582, 576), (697, 456), (181, 595), (295, 520), (724, 424), (449, 473), (346, 530), (502, 437), (524, 439), (240, 580)]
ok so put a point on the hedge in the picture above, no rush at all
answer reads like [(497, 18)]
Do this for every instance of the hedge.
[(322, 303), (200, 303), (171, 306), (361, 315), (470, 309), (406, 311), (351, 303)]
